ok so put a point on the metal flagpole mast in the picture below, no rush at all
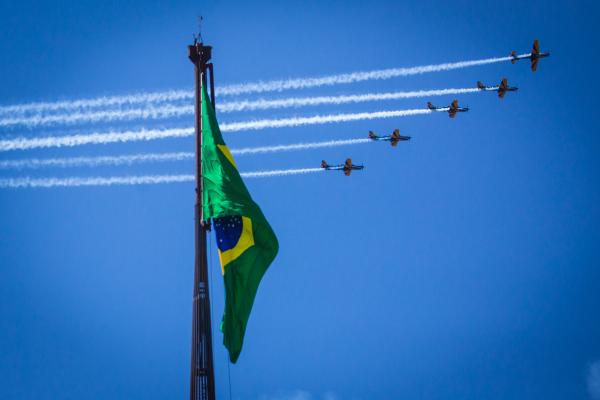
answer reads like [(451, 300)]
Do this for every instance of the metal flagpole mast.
[(202, 382)]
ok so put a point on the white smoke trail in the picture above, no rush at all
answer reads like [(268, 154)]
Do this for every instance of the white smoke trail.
[(353, 77), (297, 146), (280, 172), (317, 119), (23, 143), (107, 101), (261, 104), (35, 163), (27, 182), (67, 118), (171, 111), (244, 88)]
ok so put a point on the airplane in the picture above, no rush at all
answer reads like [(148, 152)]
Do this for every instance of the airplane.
[(347, 167), (394, 138), (534, 56), (502, 88), (452, 109)]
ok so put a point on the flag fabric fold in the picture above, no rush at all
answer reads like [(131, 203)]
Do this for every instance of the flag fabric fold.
[(246, 243)]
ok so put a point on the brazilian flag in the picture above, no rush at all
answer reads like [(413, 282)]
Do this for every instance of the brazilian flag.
[(247, 244)]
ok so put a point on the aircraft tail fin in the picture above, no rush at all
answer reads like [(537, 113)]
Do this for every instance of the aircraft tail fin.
[(372, 135), (480, 85), (430, 106), (324, 164), (513, 54)]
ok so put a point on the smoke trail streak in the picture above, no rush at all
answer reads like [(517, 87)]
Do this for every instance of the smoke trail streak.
[(172, 111), (244, 88), (297, 146), (317, 119), (151, 112), (27, 182), (261, 104), (107, 101), (280, 172), (35, 163), (353, 77), (23, 143)]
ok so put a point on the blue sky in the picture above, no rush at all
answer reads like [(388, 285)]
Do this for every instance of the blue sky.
[(460, 265)]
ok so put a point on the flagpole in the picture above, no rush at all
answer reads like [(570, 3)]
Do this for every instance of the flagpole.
[(202, 380)]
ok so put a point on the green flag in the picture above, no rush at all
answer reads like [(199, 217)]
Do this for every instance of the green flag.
[(247, 244)]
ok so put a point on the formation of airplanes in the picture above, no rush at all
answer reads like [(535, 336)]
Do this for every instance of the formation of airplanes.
[(394, 138)]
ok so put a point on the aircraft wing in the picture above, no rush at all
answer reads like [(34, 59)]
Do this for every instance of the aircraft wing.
[(347, 167), (452, 113), (536, 47), (501, 93), (534, 64)]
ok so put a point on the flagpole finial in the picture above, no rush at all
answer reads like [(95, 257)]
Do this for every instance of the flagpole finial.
[(198, 37)]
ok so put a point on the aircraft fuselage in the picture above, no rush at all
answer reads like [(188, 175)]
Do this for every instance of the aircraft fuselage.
[(497, 88), (531, 56), (342, 167), (449, 109), (389, 138)]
